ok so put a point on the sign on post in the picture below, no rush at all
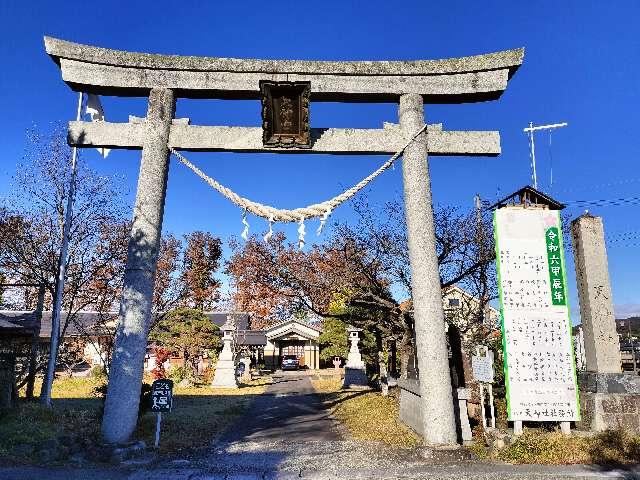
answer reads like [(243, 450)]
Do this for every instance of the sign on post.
[(161, 401), (482, 367), (539, 362), (162, 395)]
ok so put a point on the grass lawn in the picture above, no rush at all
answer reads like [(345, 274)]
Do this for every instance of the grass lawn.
[(367, 415), (370, 416), (199, 415)]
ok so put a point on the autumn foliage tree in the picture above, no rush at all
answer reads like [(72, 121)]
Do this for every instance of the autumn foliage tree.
[(200, 263), (368, 263)]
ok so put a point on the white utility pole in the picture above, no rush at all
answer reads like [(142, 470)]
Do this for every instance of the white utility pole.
[(530, 131), (45, 394)]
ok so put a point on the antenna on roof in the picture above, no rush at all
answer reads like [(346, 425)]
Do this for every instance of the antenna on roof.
[(532, 128)]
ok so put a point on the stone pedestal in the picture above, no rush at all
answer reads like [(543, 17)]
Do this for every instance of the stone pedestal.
[(609, 401), (601, 345), (411, 409), (225, 376), (355, 375)]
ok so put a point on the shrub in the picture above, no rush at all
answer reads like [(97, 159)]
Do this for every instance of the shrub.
[(615, 446), (177, 374), (546, 448), (145, 397), (98, 372)]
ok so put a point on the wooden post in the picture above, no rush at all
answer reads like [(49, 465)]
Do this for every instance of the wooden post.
[(517, 428)]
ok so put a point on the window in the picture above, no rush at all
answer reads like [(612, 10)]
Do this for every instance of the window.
[(454, 302)]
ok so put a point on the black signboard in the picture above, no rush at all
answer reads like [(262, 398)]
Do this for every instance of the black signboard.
[(161, 395)]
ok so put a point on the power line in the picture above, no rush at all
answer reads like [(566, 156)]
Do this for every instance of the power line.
[(599, 186), (614, 202)]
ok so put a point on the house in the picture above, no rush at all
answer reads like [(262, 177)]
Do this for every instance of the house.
[(461, 307), (628, 330)]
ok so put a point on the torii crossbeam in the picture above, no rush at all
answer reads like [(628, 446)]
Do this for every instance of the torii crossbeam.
[(163, 78)]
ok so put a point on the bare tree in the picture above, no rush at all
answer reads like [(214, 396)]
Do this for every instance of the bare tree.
[(31, 225)]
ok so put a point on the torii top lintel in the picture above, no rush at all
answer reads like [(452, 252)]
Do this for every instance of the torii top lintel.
[(115, 72)]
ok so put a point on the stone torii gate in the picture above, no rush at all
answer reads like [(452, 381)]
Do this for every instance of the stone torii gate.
[(163, 78)]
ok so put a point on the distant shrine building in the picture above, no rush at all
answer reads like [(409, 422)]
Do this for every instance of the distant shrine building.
[(292, 337)]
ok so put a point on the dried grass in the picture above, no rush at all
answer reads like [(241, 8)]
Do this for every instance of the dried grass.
[(367, 415)]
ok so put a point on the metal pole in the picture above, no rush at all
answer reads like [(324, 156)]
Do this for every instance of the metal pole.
[(492, 407), (158, 422), (533, 156), (530, 131), (633, 348), (45, 395)]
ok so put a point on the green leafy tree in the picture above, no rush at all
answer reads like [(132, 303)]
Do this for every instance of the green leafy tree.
[(333, 339), (187, 332)]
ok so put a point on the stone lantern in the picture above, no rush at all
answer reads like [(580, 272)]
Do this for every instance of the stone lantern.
[(225, 376), (354, 370)]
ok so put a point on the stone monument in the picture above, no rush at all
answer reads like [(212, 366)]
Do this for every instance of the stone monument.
[(163, 78), (608, 397), (601, 345), (355, 375), (244, 358), (225, 376)]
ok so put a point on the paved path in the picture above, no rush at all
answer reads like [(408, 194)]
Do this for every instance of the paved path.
[(287, 434), (289, 412)]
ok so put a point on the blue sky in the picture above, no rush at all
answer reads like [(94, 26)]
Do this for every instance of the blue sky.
[(581, 66)]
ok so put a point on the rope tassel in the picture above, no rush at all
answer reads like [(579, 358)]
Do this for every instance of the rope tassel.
[(301, 233), (269, 234), (323, 220), (245, 231)]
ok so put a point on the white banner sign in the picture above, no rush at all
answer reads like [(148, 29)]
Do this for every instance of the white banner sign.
[(539, 365)]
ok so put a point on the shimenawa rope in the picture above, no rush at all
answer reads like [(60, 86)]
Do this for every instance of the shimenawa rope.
[(272, 214)]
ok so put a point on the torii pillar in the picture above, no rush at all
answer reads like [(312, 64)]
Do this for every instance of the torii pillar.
[(130, 343), (111, 72), (438, 417)]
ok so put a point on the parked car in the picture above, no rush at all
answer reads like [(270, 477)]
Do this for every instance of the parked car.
[(290, 362)]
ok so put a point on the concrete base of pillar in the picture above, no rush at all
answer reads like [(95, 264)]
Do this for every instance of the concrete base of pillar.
[(609, 401), (411, 413), (355, 378), (591, 382)]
